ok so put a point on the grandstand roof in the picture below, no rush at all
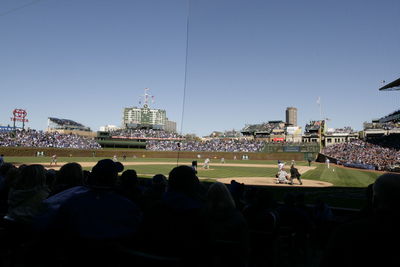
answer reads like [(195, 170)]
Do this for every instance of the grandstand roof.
[(393, 86), (264, 128), (65, 122)]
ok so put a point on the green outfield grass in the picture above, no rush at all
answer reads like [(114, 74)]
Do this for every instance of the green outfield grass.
[(339, 176), (213, 173)]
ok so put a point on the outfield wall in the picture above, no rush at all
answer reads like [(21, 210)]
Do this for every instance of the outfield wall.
[(141, 153)]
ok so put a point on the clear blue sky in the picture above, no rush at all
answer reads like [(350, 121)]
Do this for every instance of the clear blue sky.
[(248, 60)]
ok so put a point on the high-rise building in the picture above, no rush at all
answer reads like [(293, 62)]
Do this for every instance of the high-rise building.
[(291, 116)]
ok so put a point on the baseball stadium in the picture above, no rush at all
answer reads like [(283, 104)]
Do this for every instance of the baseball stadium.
[(235, 166), (322, 169)]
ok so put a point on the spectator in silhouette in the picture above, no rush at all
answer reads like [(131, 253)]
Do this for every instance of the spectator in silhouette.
[(296, 223), (68, 176), (128, 186), (263, 221), (50, 178), (8, 172), (227, 227), (237, 190), (367, 210), (224, 220), (4, 168), (154, 193), (26, 194), (94, 212), (322, 213), (181, 212), (260, 212), (371, 240), (159, 184)]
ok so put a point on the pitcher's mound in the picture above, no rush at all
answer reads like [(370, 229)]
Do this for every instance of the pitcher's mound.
[(269, 181)]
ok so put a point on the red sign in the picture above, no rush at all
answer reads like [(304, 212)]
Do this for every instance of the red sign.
[(18, 119), (278, 139), (19, 113)]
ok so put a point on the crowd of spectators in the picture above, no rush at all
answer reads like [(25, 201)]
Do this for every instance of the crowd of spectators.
[(381, 125), (33, 138), (389, 141), (144, 133), (346, 129), (360, 152), (69, 212), (73, 217), (212, 145)]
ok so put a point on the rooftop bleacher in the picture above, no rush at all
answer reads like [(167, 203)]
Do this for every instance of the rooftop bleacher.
[(57, 123)]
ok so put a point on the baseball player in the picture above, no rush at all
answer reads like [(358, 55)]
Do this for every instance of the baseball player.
[(53, 160)]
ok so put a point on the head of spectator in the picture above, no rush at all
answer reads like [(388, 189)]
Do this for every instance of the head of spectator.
[(219, 199), (183, 179), (30, 177), (128, 186), (8, 173), (386, 195), (27, 193), (159, 182), (68, 176), (129, 179), (105, 173)]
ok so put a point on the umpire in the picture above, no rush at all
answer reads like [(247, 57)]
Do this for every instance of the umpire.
[(294, 173)]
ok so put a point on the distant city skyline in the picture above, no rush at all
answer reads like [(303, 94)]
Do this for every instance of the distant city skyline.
[(247, 60)]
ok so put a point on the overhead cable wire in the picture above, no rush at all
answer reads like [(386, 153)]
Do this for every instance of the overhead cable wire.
[(185, 78), (19, 8)]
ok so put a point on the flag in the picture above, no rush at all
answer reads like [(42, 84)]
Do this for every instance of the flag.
[(319, 100)]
